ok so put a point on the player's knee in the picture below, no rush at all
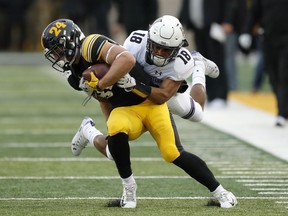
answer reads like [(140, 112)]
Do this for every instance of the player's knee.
[(184, 106), (115, 127), (170, 155)]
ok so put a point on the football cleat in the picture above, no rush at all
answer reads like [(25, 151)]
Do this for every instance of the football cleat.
[(211, 69), (128, 199), (79, 141), (226, 199)]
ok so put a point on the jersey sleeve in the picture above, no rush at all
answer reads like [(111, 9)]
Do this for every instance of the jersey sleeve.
[(183, 65), (136, 41), (92, 47), (127, 43)]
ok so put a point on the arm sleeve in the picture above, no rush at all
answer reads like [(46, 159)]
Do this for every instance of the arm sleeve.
[(74, 82)]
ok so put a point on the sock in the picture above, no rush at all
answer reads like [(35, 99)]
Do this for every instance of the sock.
[(120, 150), (108, 154), (197, 169), (218, 190), (90, 132), (198, 75), (129, 180)]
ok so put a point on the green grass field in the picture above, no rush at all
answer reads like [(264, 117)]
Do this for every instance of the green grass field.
[(39, 176)]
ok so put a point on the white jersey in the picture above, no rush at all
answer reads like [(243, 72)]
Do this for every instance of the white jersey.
[(178, 69)]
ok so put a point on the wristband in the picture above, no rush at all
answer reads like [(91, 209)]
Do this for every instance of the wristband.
[(142, 90)]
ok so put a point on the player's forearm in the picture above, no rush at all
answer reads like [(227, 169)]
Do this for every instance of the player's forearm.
[(120, 66), (159, 96)]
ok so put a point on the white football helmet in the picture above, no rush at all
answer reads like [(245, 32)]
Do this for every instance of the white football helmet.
[(166, 32)]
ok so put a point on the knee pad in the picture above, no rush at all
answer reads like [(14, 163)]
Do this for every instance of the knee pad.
[(117, 125), (169, 155)]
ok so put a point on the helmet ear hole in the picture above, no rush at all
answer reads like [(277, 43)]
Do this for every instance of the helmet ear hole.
[(71, 45), (62, 41), (70, 52)]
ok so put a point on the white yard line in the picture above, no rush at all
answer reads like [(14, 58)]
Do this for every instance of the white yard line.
[(68, 159), (237, 178), (61, 144), (266, 185), (263, 180), (138, 198), (270, 189)]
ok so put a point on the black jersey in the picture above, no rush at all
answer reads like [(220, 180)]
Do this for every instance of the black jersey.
[(90, 54)]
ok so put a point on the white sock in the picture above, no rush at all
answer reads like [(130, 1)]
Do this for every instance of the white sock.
[(129, 180), (198, 75), (108, 154), (218, 190), (90, 132)]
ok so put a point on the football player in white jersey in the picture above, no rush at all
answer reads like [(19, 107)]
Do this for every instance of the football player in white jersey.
[(130, 114), (161, 52)]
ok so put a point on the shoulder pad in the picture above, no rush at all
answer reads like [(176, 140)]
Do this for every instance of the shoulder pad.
[(92, 47), (183, 64)]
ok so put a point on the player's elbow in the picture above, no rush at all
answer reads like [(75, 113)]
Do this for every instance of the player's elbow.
[(130, 60)]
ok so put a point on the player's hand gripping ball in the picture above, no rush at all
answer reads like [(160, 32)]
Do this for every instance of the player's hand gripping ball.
[(94, 73), (91, 77)]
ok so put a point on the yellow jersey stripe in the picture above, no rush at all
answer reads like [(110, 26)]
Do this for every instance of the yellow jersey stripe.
[(139, 93), (87, 46), (92, 47)]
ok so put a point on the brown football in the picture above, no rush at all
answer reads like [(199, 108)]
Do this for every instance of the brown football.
[(98, 69)]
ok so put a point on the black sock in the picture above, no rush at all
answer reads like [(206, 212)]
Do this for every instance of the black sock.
[(197, 169), (120, 151)]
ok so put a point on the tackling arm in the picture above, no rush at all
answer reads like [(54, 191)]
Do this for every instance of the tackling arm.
[(165, 91), (158, 95)]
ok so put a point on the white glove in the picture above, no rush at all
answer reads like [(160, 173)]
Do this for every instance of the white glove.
[(106, 93), (87, 89), (245, 40), (127, 82)]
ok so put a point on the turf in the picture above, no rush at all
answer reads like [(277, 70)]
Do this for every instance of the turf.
[(39, 115)]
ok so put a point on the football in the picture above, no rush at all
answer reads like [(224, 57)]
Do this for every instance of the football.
[(98, 69)]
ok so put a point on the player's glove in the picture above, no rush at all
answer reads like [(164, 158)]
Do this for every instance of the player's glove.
[(86, 88), (130, 84), (126, 82), (93, 81), (106, 93)]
